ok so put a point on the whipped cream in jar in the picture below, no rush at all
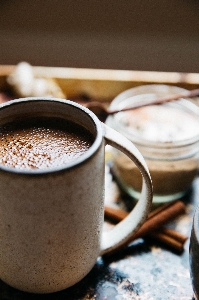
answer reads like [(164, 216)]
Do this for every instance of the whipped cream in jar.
[(167, 135)]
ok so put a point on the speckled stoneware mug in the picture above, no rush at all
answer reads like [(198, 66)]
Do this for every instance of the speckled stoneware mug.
[(194, 253), (51, 220)]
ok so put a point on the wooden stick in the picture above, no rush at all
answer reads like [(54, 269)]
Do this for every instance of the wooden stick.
[(160, 219), (117, 214), (173, 234), (167, 240), (167, 98), (156, 219)]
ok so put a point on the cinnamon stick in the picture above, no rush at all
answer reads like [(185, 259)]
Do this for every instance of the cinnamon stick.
[(117, 214), (167, 240), (173, 234), (155, 221), (160, 219)]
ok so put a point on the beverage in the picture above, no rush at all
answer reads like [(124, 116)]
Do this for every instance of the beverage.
[(42, 142)]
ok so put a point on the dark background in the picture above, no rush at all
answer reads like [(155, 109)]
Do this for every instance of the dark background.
[(116, 34)]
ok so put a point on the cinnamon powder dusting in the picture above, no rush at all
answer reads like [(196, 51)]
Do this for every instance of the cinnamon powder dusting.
[(42, 142)]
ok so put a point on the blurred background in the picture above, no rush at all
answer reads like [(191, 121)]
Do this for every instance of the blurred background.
[(109, 34)]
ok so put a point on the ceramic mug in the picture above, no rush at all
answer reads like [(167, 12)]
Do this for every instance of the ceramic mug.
[(194, 253), (51, 219)]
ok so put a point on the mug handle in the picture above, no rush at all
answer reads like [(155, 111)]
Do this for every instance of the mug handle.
[(123, 231)]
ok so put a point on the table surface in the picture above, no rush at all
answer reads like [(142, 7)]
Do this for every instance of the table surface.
[(143, 270)]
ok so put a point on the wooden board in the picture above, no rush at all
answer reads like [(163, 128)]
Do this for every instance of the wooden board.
[(104, 84)]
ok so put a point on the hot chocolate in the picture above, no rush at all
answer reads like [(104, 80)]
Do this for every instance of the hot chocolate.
[(42, 142)]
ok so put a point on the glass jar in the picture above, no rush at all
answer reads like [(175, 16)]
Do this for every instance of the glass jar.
[(167, 135)]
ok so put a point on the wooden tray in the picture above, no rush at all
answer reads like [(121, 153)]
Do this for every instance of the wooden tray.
[(104, 84)]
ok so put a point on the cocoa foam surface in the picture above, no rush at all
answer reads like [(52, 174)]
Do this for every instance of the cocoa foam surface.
[(42, 143)]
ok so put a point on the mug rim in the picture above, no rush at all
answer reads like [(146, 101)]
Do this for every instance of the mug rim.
[(67, 166)]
